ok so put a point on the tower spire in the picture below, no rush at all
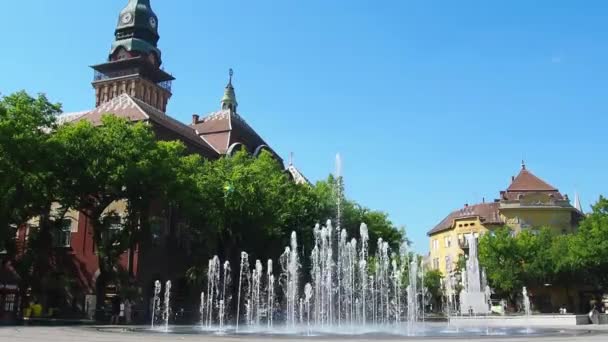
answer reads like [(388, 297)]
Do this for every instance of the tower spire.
[(137, 30), (133, 66), (229, 100), (577, 202)]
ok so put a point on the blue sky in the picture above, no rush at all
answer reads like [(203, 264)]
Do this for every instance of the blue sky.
[(432, 104)]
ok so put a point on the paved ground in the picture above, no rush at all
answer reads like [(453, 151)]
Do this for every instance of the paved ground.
[(92, 334)]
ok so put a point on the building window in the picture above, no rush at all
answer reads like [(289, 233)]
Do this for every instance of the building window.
[(62, 237), (448, 267), (449, 241), (9, 302), (436, 263), (114, 224), (435, 244)]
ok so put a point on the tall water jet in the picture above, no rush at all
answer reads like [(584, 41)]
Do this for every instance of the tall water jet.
[(383, 281), (167, 305), (424, 291), (526, 302), (472, 299), (201, 309), (340, 273), (156, 302), (256, 298), (412, 296), (213, 281), (396, 289), (270, 291), (243, 273), (290, 264), (225, 296), (339, 189), (352, 275), (363, 255)]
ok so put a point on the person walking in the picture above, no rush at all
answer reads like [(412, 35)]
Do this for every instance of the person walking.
[(128, 305), (116, 304)]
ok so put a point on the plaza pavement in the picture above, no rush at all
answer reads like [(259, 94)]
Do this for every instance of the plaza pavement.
[(92, 334)]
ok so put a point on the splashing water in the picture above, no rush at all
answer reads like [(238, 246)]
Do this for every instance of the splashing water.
[(167, 305), (345, 288), (156, 302)]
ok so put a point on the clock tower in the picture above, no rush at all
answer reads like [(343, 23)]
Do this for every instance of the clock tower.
[(134, 62)]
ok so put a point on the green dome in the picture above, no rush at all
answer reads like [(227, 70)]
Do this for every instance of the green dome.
[(229, 99)]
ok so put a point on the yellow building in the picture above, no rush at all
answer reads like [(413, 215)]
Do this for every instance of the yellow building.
[(528, 203)]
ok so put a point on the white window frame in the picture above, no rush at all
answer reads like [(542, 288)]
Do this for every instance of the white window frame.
[(62, 237)]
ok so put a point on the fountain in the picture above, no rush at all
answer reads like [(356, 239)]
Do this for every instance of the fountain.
[(270, 291), (244, 272), (167, 305), (526, 302), (347, 294), (156, 302), (472, 299)]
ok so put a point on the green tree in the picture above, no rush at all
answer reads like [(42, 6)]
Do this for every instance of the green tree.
[(432, 282), (537, 258), (252, 205), (117, 161), (588, 250), (29, 184), (500, 255)]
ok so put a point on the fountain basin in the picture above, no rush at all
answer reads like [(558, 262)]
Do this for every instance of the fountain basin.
[(430, 330), (525, 321)]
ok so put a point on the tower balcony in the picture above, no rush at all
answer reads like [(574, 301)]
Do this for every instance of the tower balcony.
[(102, 76)]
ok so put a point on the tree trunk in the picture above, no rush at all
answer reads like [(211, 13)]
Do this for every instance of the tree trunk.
[(42, 264), (100, 292), (102, 279)]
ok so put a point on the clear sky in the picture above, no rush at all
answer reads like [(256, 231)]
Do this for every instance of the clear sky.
[(432, 104)]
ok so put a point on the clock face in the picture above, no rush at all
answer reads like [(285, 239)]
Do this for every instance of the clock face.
[(126, 18), (153, 22)]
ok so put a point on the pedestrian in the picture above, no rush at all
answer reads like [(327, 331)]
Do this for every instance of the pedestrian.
[(127, 310), (116, 303)]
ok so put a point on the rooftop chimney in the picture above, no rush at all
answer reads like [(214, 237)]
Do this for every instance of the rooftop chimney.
[(195, 118)]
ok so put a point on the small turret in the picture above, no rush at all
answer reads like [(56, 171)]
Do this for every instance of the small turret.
[(229, 100)]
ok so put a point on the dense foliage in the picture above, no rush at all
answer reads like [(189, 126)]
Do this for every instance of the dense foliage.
[(542, 257), (227, 205)]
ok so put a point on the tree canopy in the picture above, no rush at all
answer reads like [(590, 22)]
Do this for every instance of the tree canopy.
[(234, 203), (541, 257)]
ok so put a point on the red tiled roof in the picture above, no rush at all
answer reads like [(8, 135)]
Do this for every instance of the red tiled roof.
[(133, 109), (526, 181), (487, 213), (224, 128)]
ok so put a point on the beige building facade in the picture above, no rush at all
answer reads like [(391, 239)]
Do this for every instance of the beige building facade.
[(528, 203)]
